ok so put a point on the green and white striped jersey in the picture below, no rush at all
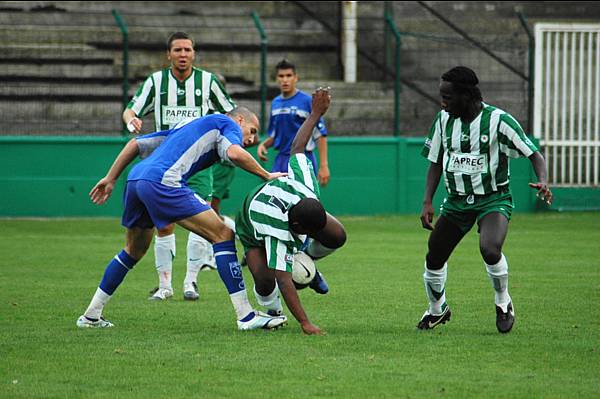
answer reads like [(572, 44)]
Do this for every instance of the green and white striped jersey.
[(173, 101), (263, 219), (474, 156)]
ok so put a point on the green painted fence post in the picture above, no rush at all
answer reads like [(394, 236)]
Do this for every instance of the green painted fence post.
[(263, 70), (125, 32), (396, 33)]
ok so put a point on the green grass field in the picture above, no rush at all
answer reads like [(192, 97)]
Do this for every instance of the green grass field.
[(50, 268)]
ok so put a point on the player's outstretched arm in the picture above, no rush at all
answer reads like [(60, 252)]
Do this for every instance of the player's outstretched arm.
[(103, 189), (433, 178), (539, 166), (320, 103), (290, 296), (244, 160)]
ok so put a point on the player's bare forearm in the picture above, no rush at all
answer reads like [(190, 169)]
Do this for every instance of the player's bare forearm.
[(433, 178), (244, 160), (127, 154), (320, 104), (323, 174), (102, 191), (539, 167), (431, 183), (290, 296)]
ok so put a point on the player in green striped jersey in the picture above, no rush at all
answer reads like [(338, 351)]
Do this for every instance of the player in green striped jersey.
[(176, 93), (276, 219), (470, 143)]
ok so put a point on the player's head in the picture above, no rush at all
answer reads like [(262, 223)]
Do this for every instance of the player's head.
[(307, 217), (180, 51), (458, 90), (248, 123), (285, 74)]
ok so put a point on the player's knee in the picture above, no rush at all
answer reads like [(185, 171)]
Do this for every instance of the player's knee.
[(166, 231), (264, 286), (434, 262), (137, 252), (333, 236), (335, 240), (491, 254)]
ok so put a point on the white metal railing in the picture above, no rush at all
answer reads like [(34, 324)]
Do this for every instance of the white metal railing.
[(567, 101)]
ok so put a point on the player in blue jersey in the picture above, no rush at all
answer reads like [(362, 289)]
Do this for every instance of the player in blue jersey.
[(157, 194), (289, 110)]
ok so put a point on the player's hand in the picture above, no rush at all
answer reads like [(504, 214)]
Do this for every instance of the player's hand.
[(323, 175), (543, 193), (276, 175), (261, 151), (427, 216), (102, 191), (310, 329), (321, 100), (135, 125)]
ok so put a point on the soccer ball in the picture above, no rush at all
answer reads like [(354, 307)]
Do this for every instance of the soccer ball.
[(303, 269)]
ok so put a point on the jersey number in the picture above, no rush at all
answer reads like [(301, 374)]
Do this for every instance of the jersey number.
[(276, 202)]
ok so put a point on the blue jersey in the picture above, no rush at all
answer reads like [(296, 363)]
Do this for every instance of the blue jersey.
[(287, 115), (188, 148)]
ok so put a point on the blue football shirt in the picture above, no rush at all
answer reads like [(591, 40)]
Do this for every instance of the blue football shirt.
[(185, 150), (287, 115)]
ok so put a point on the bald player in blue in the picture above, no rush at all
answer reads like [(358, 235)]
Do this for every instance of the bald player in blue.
[(157, 194)]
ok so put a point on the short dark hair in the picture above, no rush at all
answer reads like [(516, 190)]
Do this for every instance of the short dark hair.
[(309, 213), (285, 64), (464, 80), (177, 36)]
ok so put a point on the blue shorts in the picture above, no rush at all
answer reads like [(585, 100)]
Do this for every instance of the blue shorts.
[(148, 204), (281, 162)]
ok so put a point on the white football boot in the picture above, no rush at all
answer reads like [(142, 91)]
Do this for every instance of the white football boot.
[(84, 322), (190, 292), (262, 320), (161, 294)]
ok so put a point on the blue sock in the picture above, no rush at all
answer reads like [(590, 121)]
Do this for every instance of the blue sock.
[(115, 272), (228, 266)]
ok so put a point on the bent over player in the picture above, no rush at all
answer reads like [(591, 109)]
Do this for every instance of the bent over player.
[(157, 194), (470, 143), (276, 219)]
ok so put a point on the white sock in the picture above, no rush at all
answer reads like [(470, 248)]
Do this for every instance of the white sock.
[(99, 300), (271, 301), (240, 304), (435, 287), (316, 250), (199, 252), (164, 252), (499, 275)]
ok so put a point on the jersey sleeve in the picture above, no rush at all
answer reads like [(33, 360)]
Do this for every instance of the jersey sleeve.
[(231, 134), (142, 102), (219, 98), (512, 138), (300, 169), (150, 142), (279, 255), (433, 148)]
